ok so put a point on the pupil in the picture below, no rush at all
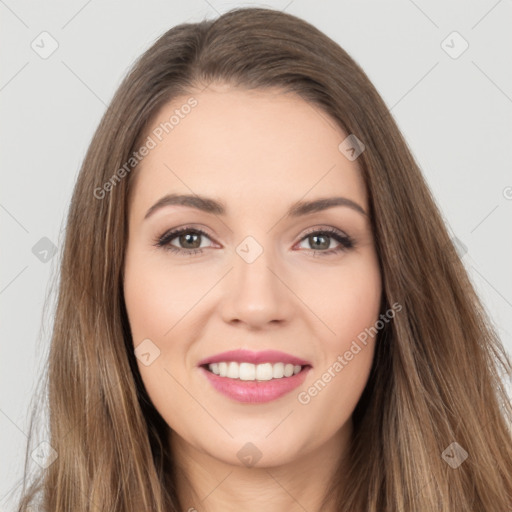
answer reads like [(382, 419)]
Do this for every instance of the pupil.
[(185, 238), (322, 246)]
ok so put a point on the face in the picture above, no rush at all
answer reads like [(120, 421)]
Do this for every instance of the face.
[(290, 288)]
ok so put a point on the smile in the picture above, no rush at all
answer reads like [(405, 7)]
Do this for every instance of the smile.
[(249, 371), (254, 390)]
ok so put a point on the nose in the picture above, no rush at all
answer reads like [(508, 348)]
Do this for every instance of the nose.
[(256, 293)]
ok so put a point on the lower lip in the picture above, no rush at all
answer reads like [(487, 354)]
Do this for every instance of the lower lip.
[(255, 391)]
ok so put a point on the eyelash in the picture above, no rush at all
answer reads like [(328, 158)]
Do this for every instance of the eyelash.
[(164, 240)]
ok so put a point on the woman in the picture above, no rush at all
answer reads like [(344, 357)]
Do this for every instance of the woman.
[(318, 346)]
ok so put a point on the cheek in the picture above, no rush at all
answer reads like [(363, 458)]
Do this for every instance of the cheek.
[(346, 300), (157, 297), (349, 309), (160, 301), (155, 303)]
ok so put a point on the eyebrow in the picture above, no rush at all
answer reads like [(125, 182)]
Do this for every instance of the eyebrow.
[(210, 205)]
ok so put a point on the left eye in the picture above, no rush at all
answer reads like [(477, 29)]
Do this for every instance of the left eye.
[(191, 237)]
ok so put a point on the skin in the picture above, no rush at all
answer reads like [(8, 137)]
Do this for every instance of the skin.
[(258, 152)]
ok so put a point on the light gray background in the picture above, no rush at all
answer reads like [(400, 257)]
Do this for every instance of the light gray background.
[(455, 113)]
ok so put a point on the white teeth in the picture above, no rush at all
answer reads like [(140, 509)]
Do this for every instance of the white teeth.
[(278, 370), (246, 371), (249, 371), (223, 369), (288, 370), (233, 372), (263, 371)]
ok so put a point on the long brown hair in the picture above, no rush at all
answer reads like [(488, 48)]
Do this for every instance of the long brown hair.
[(438, 371)]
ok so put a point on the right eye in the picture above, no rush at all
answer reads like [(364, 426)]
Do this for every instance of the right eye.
[(185, 235)]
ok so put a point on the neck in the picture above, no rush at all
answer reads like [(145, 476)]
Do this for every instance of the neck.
[(207, 484)]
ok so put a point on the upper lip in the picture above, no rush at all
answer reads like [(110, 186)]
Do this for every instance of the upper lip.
[(246, 356)]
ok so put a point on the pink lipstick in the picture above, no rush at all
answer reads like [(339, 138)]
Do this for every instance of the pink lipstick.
[(254, 377)]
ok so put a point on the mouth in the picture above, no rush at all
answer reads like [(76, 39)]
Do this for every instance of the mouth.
[(254, 377), (244, 371), (243, 384)]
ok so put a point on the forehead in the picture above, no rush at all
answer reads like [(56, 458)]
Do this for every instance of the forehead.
[(247, 147)]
